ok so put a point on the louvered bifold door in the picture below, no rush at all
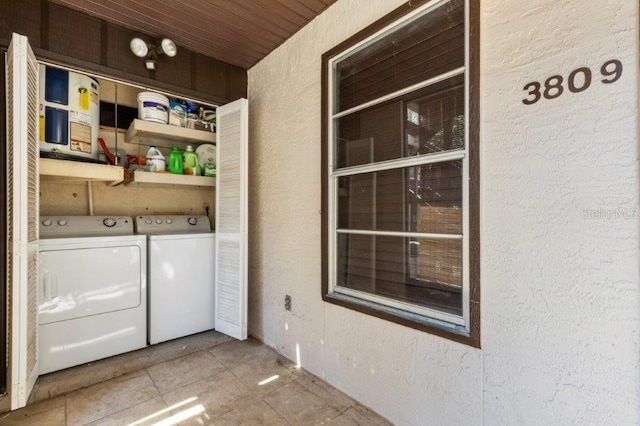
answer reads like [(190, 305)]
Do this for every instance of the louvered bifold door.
[(22, 218), (231, 219)]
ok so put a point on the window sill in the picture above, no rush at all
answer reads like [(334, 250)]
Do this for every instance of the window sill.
[(417, 322)]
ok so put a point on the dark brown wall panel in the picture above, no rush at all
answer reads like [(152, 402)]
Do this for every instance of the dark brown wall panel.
[(73, 34), (237, 82), (72, 38), (22, 17), (211, 76), (176, 70)]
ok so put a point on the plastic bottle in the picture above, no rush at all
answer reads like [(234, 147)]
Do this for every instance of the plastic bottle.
[(155, 160), (175, 161), (191, 162)]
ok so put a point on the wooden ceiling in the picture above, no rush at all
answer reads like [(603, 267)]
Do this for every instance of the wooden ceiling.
[(239, 32)]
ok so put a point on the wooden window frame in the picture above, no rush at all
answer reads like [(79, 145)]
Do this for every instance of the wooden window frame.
[(471, 335)]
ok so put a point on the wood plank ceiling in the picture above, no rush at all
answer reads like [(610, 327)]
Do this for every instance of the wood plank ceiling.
[(239, 32)]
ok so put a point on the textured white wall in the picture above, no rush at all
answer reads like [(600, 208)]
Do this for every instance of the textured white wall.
[(560, 297)]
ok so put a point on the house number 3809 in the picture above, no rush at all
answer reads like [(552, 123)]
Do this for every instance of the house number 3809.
[(578, 81)]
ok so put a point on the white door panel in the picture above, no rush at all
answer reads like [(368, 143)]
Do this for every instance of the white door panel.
[(181, 289), (92, 286), (22, 218), (231, 219)]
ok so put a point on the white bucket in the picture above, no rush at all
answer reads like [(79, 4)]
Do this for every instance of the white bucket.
[(153, 107)]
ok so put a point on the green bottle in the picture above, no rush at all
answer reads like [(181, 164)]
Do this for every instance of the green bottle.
[(191, 162), (175, 161)]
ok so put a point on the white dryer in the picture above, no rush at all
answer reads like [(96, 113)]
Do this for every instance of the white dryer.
[(92, 295), (181, 272)]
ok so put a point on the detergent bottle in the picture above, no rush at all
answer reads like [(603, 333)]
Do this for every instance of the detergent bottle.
[(191, 162), (175, 161), (155, 160)]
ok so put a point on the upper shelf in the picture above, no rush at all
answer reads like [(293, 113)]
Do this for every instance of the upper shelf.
[(165, 136), (54, 169)]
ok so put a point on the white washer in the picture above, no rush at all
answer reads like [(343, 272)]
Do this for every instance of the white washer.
[(92, 295), (181, 275)]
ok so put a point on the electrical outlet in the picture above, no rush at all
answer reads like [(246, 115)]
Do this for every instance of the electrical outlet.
[(287, 302)]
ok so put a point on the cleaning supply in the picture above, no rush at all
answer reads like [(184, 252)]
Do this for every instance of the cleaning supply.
[(191, 162), (175, 161), (209, 169), (155, 160)]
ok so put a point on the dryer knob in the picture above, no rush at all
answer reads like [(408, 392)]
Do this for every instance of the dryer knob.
[(192, 221), (109, 222), (62, 222), (46, 222), (169, 221), (158, 221), (148, 221)]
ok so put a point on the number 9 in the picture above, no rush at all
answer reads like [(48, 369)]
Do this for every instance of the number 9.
[(617, 71)]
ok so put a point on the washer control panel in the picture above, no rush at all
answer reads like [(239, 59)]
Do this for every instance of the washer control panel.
[(85, 226), (172, 224)]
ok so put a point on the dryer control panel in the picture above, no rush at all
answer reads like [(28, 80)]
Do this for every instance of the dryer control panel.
[(172, 224), (84, 226)]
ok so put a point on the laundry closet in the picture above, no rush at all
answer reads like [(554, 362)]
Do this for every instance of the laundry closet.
[(203, 219)]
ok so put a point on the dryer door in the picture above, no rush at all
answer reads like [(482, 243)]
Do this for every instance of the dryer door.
[(81, 282)]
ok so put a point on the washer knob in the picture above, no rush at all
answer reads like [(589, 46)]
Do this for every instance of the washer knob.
[(192, 221), (109, 222), (169, 221), (47, 222), (158, 221), (62, 222), (148, 221)]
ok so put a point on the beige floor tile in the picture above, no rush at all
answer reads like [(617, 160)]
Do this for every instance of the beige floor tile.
[(174, 374), (213, 398), (376, 419), (267, 372), (190, 344), (146, 413), (71, 379), (254, 414), (334, 398), (299, 406), (104, 399), (197, 380), (236, 353), (359, 416), (49, 412)]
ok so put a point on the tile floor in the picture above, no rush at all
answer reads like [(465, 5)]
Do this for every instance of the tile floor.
[(198, 380)]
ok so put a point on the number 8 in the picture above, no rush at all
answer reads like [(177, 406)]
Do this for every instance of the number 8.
[(548, 87)]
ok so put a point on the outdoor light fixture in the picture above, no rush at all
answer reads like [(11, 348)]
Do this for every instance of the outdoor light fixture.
[(142, 49)]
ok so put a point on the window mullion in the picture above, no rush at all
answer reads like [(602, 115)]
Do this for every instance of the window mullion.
[(399, 93), (400, 163)]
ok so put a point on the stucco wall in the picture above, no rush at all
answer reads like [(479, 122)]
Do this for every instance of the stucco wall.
[(560, 299)]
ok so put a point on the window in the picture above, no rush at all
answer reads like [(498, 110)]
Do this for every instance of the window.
[(400, 169)]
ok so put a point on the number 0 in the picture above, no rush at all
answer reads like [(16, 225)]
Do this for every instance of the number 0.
[(572, 80)]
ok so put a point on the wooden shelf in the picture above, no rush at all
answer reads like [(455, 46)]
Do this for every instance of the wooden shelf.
[(169, 180), (165, 136), (52, 169)]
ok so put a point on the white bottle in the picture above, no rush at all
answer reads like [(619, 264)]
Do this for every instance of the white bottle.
[(155, 160)]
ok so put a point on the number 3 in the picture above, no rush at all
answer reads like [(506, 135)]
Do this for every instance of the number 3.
[(535, 92)]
